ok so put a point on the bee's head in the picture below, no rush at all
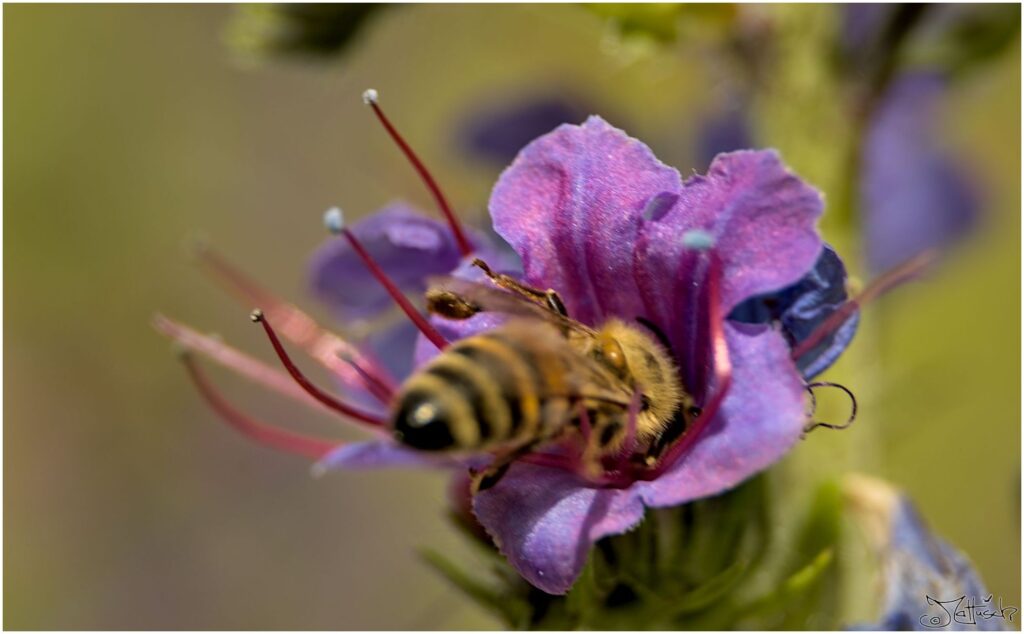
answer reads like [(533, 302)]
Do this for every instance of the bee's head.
[(608, 351), (422, 423)]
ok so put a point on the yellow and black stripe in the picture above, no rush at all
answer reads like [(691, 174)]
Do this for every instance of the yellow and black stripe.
[(484, 391)]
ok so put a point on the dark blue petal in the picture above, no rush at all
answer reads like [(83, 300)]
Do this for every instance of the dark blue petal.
[(799, 309), (925, 578)]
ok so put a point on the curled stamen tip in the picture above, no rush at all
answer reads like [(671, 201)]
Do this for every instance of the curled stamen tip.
[(698, 240), (256, 316), (334, 220), (370, 96)]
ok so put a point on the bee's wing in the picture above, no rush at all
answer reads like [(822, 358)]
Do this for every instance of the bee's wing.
[(583, 377), (482, 297)]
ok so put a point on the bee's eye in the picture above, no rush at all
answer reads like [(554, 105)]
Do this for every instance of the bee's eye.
[(422, 424), (611, 353)]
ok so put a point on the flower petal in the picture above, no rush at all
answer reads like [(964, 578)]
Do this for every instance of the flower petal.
[(801, 308), (376, 454), (571, 204), (760, 420), (545, 521), (408, 246), (762, 221)]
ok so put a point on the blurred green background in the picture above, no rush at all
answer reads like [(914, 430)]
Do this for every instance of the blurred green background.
[(133, 128)]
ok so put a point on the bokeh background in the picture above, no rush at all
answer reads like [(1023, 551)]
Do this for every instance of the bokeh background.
[(132, 129)]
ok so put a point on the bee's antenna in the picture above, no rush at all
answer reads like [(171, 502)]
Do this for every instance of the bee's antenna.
[(814, 406), (370, 99)]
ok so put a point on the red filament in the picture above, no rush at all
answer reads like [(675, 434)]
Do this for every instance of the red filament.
[(315, 392), (722, 371), (893, 277), (308, 446), (300, 328), (442, 202), (382, 391), (419, 320)]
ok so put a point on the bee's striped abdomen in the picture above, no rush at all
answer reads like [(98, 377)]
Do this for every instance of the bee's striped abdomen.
[(511, 373)]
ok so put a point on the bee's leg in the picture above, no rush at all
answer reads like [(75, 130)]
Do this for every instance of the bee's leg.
[(494, 472), (450, 305), (548, 299), (683, 420), (606, 435)]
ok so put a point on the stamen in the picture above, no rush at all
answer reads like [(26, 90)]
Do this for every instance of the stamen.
[(814, 404), (723, 375), (370, 99), (335, 223), (243, 364), (382, 391), (291, 442), (891, 278), (698, 240), (315, 392), (298, 327)]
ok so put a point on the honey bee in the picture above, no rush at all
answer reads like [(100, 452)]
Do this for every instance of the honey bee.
[(534, 380)]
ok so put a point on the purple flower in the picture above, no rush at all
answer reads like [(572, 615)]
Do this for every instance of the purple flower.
[(409, 247), (591, 213), (594, 215), (926, 581)]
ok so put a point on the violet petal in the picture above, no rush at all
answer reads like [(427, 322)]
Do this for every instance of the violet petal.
[(376, 454), (761, 418), (762, 219), (544, 520), (571, 204), (408, 246)]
